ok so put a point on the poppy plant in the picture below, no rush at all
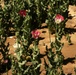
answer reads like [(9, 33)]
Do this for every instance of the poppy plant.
[(59, 18)]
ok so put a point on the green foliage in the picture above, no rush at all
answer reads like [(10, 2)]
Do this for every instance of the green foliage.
[(56, 58), (72, 2), (56, 7), (23, 16), (4, 50)]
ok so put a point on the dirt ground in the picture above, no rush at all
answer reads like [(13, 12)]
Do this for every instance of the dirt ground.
[(69, 51)]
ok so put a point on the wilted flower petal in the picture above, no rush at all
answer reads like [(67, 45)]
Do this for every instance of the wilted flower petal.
[(16, 45)]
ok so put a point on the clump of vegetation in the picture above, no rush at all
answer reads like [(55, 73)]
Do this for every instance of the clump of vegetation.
[(25, 17)]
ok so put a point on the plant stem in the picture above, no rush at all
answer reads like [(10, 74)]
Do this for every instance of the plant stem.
[(6, 70), (49, 36)]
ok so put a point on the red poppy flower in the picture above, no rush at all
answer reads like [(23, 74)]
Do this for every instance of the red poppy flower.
[(5, 61), (59, 18), (35, 34), (22, 13)]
